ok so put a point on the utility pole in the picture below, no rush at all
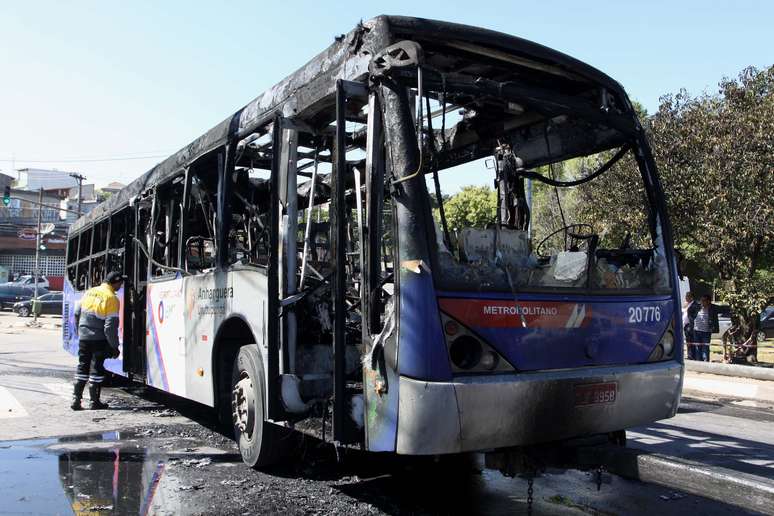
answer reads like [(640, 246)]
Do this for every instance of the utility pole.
[(37, 254), (80, 179)]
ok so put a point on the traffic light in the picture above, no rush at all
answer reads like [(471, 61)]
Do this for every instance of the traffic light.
[(7, 195)]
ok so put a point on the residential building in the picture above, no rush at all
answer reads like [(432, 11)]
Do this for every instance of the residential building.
[(58, 182), (18, 223), (5, 180), (88, 201), (113, 187)]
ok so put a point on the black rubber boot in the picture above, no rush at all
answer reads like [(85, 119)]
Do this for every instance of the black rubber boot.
[(94, 391), (77, 395)]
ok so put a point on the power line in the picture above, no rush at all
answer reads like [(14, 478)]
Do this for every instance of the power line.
[(84, 160)]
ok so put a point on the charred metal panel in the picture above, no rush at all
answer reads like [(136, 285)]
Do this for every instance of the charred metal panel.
[(439, 32), (288, 251), (421, 349), (338, 257), (274, 405), (302, 91), (347, 59)]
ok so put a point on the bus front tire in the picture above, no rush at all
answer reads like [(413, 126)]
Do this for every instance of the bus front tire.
[(254, 435)]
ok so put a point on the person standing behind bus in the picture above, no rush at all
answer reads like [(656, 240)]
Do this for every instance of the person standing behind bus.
[(690, 309), (704, 325), (96, 317)]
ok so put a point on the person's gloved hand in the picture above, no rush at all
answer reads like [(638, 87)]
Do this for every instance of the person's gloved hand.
[(114, 353)]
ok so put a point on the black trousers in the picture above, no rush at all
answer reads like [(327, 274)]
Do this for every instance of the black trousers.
[(91, 361)]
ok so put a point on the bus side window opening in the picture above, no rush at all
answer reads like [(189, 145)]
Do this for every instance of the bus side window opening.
[(199, 227)]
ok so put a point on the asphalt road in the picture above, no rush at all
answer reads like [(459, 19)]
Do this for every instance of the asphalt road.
[(155, 454)]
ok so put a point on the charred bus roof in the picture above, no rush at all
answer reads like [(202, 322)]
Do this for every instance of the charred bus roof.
[(489, 55)]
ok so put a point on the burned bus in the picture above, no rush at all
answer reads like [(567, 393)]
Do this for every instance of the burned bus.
[(298, 265)]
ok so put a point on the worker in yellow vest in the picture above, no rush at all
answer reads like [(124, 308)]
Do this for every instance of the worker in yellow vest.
[(96, 317)]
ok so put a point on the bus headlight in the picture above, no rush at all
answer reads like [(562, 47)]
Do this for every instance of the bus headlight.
[(469, 352), (665, 347), (465, 352), (489, 360), (668, 343)]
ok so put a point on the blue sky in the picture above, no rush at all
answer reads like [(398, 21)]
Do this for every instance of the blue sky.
[(99, 79)]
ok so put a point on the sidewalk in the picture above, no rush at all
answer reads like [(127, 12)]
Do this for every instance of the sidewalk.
[(9, 320), (724, 386)]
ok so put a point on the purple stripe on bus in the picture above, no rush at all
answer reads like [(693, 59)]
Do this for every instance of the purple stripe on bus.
[(157, 345)]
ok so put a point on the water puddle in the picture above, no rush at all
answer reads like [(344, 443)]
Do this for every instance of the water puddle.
[(168, 471), (110, 473)]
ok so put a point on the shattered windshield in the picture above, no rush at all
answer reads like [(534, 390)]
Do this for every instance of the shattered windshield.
[(515, 198)]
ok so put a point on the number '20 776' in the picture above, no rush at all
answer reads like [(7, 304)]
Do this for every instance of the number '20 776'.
[(638, 314)]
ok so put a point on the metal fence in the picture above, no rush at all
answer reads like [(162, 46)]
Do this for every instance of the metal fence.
[(49, 265)]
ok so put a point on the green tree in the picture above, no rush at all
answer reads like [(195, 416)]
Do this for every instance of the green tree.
[(472, 206), (715, 154)]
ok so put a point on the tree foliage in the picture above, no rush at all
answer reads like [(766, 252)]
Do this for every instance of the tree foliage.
[(715, 154), (473, 206)]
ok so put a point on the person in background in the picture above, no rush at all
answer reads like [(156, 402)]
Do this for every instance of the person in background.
[(690, 309), (704, 325), (96, 317)]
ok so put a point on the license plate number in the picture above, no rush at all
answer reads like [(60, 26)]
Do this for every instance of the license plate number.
[(594, 393)]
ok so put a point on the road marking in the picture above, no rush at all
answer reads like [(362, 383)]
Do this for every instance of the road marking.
[(9, 406), (61, 389)]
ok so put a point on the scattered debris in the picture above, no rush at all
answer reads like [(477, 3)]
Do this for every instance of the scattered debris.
[(164, 413), (194, 487), (197, 463), (233, 482)]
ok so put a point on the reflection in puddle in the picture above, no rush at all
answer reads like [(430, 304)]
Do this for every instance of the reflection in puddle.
[(116, 473), (100, 482), (45, 476)]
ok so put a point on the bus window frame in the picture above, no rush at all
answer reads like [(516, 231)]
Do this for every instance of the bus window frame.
[(170, 204)]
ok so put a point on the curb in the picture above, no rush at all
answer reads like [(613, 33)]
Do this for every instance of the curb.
[(728, 388), (755, 373), (729, 486)]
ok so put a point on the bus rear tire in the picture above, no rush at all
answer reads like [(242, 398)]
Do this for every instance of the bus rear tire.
[(254, 435)]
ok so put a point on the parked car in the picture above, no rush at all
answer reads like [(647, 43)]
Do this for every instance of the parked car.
[(11, 293), (724, 320), (766, 328), (50, 303), (27, 280)]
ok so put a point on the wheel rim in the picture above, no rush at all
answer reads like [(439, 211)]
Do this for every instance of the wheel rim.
[(23, 312), (243, 406)]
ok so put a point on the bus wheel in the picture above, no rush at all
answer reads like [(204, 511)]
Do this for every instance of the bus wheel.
[(251, 431)]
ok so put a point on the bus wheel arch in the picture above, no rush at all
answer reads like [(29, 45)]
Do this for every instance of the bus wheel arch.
[(258, 440), (240, 384), (232, 334)]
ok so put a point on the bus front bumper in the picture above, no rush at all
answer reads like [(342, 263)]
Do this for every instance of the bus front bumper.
[(477, 413)]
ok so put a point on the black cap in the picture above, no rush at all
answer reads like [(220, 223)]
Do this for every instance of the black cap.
[(114, 277)]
